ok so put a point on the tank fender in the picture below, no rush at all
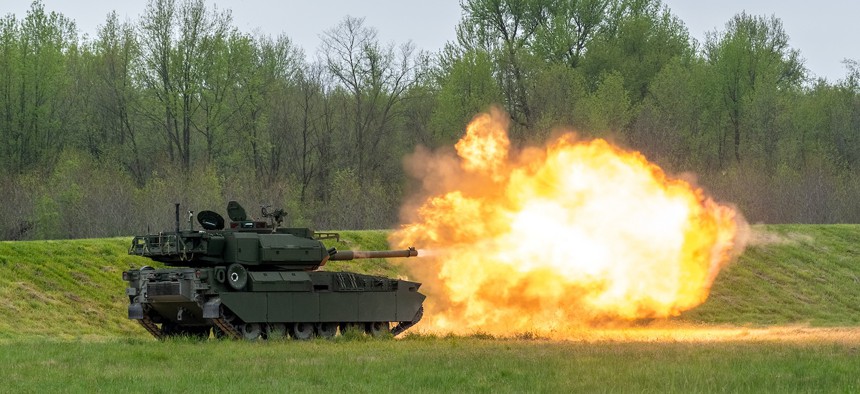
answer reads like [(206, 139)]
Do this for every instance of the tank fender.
[(212, 308), (135, 311)]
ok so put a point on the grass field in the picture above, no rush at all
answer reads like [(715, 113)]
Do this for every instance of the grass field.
[(428, 365), (784, 318)]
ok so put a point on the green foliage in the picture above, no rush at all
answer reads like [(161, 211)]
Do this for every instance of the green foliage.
[(505, 29), (467, 88), (750, 58), (640, 38), (608, 109), (81, 198), (36, 102), (357, 206), (567, 28), (669, 125), (372, 79), (560, 100), (179, 105), (153, 204), (47, 219)]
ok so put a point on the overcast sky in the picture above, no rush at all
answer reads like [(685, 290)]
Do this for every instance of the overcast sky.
[(825, 32)]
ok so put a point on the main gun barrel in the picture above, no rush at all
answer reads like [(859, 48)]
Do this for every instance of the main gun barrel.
[(383, 254)]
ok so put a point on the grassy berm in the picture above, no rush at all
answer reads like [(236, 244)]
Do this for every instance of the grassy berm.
[(63, 327), (73, 288)]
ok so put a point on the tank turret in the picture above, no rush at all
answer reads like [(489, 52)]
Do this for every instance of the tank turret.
[(253, 244), (255, 279)]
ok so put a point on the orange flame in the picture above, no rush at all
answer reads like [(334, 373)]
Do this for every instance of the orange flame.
[(547, 238)]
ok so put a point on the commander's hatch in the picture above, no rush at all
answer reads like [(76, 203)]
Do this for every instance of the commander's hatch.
[(236, 212), (239, 218)]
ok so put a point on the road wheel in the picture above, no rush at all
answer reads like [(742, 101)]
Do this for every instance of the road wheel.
[(251, 331), (302, 331)]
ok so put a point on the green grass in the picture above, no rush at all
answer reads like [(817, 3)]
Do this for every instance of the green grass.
[(790, 274), (65, 289), (427, 365)]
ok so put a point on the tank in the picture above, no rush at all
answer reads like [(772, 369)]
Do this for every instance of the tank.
[(253, 280)]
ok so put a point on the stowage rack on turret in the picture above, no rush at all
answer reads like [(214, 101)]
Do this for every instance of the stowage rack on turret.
[(254, 279)]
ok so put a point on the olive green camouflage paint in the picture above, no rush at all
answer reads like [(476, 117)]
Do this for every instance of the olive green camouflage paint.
[(255, 280)]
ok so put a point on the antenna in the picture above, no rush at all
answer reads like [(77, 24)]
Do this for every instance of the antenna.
[(177, 219)]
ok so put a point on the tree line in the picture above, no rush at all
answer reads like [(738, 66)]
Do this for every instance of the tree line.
[(101, 135)]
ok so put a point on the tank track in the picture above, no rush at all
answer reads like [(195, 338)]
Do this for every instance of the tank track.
[(150, 326), (227, 327), (403, 326)]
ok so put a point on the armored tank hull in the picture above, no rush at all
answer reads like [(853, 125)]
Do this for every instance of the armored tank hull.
[(191, 301), (254, 281)]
